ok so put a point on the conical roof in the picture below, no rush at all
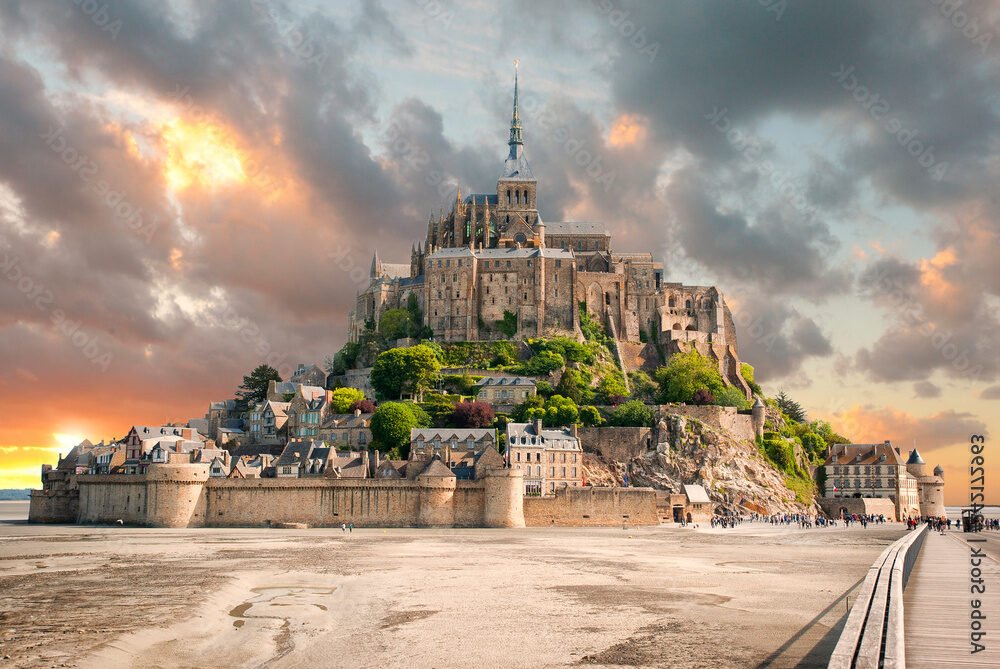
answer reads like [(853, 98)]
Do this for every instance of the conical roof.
[(915, 458), (938, 471)]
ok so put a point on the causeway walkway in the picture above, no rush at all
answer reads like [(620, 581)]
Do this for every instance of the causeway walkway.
[(937, 606)]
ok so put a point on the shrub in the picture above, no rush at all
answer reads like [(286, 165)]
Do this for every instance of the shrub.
[(472, 414), (342, 399), (543, 363), (632, 414), (364, 406), (611, 386), (643, 386), (571, 385), (732, 397), (590, 416), (685, 374), (404, 369), (703, 396), (508, 325)]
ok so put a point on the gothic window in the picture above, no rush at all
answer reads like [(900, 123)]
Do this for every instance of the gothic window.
[(508, 200), (687, 304), (557, 292), (520, 238), (525, 197), (459, 262), (671, 302), (558, 265), (508, 219), (517, 197)]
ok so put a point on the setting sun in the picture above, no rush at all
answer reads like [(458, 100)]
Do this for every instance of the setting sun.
[(200, 154), (67, 440)]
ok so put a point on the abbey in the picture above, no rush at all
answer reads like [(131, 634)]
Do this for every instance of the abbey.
[(493, 262)]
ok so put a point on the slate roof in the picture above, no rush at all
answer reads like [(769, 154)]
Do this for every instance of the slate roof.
[(447, 434), (915, 458), (528, 430), (436, 469), (864, 454), (481, 197), (505, 381), (563, 228), (500, 253)]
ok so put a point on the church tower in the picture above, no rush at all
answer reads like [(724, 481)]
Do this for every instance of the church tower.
[(517, 205)]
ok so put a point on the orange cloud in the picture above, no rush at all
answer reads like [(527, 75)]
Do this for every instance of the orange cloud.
[(626, 130), (932, 274), (202, 154)]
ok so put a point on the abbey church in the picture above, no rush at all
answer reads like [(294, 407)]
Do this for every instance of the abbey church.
[(493, 259)]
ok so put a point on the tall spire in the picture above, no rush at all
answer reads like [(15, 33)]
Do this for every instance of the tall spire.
[(515, 122)]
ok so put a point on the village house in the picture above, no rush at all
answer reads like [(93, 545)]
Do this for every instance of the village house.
[(304, 458), (872, 471), (310, 375), (551, 458), (347, 431), (266, 422), (455, 447), (505, 391), (307, 410)]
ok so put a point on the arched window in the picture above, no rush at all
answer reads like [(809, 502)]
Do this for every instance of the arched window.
[(517, 197), (671, 302), (687, 304), (526, 196), (508, 197)]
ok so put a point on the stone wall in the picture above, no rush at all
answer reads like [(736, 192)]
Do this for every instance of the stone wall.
[(594, 507), (860, 505), (53, 506), (740, 426), (619, 444)]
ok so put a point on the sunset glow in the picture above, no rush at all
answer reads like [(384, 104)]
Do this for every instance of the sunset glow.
[(200, 154)]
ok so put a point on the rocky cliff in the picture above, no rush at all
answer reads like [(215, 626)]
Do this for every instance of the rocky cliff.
[(735, 473)]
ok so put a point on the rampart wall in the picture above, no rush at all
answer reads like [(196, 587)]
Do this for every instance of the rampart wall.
[(600, 507)]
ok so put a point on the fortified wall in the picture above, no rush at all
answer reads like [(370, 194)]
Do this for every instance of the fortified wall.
[(185, 496)]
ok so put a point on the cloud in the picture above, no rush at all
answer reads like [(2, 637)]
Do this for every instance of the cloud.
[(933, 434), (991, 393), (926, 389)]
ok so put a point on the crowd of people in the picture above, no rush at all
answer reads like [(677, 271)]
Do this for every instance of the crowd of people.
[(805, 520), (943, 525)]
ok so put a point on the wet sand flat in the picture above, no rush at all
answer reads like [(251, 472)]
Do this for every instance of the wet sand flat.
[(660, 597)]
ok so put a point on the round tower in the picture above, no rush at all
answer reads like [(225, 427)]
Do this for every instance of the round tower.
[(932, 494), (915, 464), (437, 496), (503, 490), (175, 495), (758, 417)]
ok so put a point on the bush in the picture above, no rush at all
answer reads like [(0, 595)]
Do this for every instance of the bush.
[(747, 372), (590, 416), (632, 414), (364, 406), (779, 452), (542, 363), (342, 399), (544, 388), (570, 349), (732, 397), (612, 386), (643, 386), (472, 414), (571, 385), (343, 359), (685, 374)]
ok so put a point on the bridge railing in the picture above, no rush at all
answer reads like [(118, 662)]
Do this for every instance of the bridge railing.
[(873, 634)]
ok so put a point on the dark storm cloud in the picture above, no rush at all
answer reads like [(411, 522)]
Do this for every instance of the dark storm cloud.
[(776, 338)]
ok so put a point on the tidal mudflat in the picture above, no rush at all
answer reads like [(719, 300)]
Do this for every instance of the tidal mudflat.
[(660, 597)]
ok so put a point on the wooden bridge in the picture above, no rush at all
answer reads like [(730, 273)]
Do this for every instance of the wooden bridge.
[(914, 608)]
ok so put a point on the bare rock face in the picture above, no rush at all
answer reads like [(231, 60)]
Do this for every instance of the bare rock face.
[(733, 471)]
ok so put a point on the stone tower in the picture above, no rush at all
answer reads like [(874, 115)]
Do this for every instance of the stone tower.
[(758, 418), (916, 465)]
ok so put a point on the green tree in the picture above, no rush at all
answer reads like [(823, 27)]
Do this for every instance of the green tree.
[(610, 387), (342, 399), (560, 411), (571, 385), (254, 388), (399, 370), (685, 374), (791, 408), (508, 325), (732, 397), (395, 324), (522, 412), (391, 425), (590, 416), (632, 414)]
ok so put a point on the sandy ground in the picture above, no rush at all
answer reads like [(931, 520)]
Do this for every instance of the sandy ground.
[(660, 597)]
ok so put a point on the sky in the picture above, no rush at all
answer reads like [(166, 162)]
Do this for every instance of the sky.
[(188, 189)]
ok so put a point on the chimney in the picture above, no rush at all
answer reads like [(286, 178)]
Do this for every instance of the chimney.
[(357, 412), (572, 430), (538, 426)]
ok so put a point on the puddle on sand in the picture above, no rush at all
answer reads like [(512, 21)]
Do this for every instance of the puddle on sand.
[(277, 596)]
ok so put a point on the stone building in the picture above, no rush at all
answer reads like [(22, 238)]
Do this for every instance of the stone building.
[(551, 458), (347, 431), (870, 471), (459, 449), (266, 421), (505, 391), (931, 486), (492, 263)]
